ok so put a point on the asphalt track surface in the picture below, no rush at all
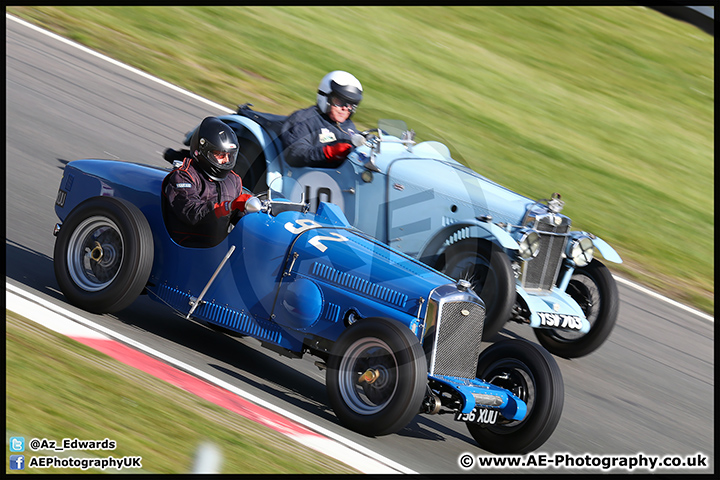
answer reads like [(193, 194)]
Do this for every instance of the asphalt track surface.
[(648, 390)]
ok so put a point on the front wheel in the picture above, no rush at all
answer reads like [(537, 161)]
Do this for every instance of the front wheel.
[(376, 376), (531, 374), (594, 289), (103, 254), (488, 269)]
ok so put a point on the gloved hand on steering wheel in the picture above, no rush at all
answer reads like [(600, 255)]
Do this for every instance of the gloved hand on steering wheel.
[(337, 151), (226, 208), (239, 202)]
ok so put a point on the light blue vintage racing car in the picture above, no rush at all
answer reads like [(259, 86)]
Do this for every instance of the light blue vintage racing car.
[(519, 254), (396, 337)]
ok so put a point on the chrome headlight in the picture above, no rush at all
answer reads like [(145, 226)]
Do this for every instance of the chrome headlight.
[(529, 245), (580, 251)]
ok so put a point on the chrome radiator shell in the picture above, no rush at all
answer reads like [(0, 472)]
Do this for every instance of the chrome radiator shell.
[(453, 332), (540, 273)]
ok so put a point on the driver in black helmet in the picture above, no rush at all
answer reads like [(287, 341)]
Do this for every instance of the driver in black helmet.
[(202, 192), (320, 135)]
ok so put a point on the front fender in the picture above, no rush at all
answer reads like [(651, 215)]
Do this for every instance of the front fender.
[(606, 250), (465, 229), (602, 246)]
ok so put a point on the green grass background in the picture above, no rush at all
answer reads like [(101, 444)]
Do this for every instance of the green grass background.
[(613, 107), (58, 388)]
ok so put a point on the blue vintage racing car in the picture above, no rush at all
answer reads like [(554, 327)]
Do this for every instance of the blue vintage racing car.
[(395, 337), (520, 254)]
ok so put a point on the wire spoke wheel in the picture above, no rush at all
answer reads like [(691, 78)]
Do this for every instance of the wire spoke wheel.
[(488, 270), (595, 291), (516, 377), (530, 373)]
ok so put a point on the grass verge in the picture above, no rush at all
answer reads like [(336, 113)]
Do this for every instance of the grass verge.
[(58, 388)]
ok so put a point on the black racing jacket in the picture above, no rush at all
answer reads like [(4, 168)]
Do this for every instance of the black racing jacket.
[(189, 200), (307, 131)]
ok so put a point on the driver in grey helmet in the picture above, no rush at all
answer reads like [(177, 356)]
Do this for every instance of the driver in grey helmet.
[(320, 135)]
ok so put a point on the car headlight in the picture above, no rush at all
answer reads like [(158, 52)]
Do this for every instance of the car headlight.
[(580, 251), (529, 245)]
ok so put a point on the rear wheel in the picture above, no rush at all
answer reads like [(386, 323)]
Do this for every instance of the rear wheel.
[(531, 374), (376, 376), (594, 289), (103, 254), (488, 269)]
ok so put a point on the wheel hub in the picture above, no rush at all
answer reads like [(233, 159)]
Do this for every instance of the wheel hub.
[(508, 381), (369, 376), (97, 252)]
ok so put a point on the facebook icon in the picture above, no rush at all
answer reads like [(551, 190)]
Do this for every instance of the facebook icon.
[(17, 462)]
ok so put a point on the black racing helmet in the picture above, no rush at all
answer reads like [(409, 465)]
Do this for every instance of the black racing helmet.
[(209, 144)]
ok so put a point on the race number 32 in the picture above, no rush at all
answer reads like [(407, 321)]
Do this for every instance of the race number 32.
[(304, 224)]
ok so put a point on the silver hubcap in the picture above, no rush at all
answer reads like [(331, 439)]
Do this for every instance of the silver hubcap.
[(368, 376), (95, 253)]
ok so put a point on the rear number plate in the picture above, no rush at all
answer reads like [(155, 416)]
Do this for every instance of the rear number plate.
[(478, 415)]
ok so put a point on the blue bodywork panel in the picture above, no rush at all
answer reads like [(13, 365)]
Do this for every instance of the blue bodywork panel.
[(418, 199), (291, 277)]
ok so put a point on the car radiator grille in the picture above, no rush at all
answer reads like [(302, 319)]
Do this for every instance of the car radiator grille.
[(458, 339), (540, 272)]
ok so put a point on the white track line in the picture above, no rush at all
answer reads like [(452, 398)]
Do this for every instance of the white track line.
[(647, 291), (68, 323), (119, 64)]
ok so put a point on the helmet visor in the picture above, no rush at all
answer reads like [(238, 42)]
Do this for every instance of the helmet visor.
[(222, 157), (342, 103), (349, 93)]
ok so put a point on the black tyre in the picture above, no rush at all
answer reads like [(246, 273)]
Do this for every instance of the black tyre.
[(489, 271), (376, 376), (530, 373), (594, 289), (103, 254)]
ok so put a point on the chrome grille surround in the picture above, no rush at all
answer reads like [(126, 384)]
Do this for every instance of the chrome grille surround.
[(453, 332), (541, 272)]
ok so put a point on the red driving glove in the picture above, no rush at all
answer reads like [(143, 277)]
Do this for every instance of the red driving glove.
[(239, 202), (337, 151), (225, 208)]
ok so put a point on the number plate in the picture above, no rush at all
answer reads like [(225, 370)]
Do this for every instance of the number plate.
[(559, 320), (478, 415)]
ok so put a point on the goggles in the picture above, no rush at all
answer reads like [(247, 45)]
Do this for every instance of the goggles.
[(343, 104)]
